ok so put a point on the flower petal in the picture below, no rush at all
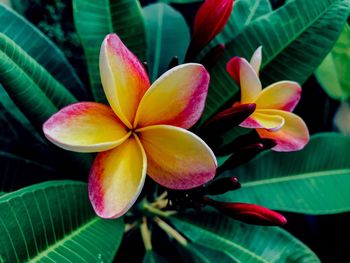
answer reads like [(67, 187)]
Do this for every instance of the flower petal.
[(116, 179), (282, 95), (255, 61), (260, 119), (293, 136), (123, 77), (85, 127), (242, 72), (176, 98), (177, 158)]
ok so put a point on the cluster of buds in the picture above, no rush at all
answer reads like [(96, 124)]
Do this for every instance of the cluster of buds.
[(248, 213)]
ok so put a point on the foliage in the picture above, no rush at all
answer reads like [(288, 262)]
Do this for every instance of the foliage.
[(47, 216)]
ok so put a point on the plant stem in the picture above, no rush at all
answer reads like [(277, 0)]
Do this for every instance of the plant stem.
[(146, 235), (171, 231), (156, 211)]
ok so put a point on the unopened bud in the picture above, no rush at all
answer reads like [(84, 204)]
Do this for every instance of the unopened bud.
[(229, 118), (241, 157), (209, 21), (248, 213), (213, 56), (222, 185)]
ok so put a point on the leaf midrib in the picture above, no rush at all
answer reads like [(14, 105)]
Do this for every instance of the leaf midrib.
[(296, 177), (226, 241), (76, 232)]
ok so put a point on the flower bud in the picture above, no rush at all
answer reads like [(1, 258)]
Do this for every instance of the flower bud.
[(241, 157), (248, 213), (229, 118), (222, 185), (209, 21), (213, 56)]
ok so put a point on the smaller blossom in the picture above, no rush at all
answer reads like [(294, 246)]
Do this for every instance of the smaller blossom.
[(273, 117)]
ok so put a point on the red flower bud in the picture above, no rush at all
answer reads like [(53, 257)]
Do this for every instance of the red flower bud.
[(248, 213), (222, 185), (230, 117), (209, 21)]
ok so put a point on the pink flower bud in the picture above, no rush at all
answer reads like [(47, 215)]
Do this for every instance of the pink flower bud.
[(209, 21), (222, 185), (248, 213)]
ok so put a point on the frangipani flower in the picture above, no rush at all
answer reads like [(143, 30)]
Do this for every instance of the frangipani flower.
[(143, 130), (272, 118)]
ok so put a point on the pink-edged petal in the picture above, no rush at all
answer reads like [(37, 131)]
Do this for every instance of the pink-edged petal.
[(255, 61), (123, 77), (260, 119), (293, 136), (85, 127), (116, 179), (177, 158), (282, 95), (177, 98), (240, 69)]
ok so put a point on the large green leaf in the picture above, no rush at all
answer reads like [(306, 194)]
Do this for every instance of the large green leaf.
[(333, 73), (295, 38), (32, 88), (95, 19), (241, 242), (54, 222), (315, 180), (168, 35), (41, 48), (243, 13)]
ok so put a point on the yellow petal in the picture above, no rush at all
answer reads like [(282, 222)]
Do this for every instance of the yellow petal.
[(263, 119), (293, 135), (255, 61), (242, 72), (123, 77), (282, 95), (116, 179), (177, 158), (85, 127), (177, 98)]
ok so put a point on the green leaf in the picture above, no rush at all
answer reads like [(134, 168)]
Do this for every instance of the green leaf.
[(168, 35), (295, 38), (54, 222), (315, 180), (241, 242), (41, 48), (10, 113), (243, 13), (333, 73), (95, 19), (32, 88), (153, 257)]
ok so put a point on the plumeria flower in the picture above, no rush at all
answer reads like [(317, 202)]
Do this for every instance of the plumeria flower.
[(144, 130), (273, 117)]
